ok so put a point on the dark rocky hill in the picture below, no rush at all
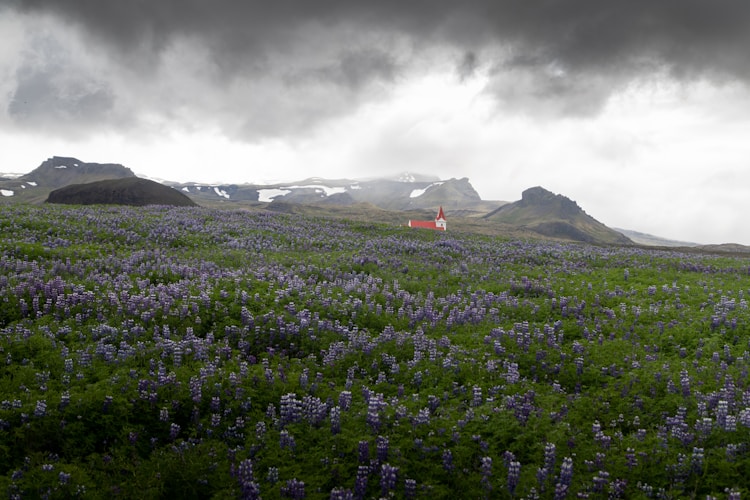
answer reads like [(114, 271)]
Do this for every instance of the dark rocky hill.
[(130, 191), (555, 216), (60, 171)]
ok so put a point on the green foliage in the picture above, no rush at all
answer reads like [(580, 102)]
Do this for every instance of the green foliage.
[(147, 353)]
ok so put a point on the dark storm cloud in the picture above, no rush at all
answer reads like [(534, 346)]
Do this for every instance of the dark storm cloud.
[(568, 54), (52, 91), (686, 35)]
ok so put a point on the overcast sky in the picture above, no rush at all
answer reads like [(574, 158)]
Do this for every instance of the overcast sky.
[(639, 110)]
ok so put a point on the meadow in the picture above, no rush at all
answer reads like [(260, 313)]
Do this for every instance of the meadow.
[(201, 353)]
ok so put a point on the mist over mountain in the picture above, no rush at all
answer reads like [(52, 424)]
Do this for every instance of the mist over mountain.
[(405, 192)]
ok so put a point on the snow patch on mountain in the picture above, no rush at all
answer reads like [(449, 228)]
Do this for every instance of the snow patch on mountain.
[(327, 190), (268, 195), (221, 192), (6, 192), (419, 192)]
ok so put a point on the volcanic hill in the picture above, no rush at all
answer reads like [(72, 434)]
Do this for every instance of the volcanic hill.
[(130, 191)]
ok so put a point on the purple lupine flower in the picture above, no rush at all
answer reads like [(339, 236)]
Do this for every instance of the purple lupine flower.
[(364, 452), (550, 456), (476, 399), (486, 469), (196, 389), (696, 460), (41, 408), (561, 491), (732, 494), (388, 476), (601, 479), (294, 489), (63, 478), (722, 412), (382, 449), (290, 409), (579, 362), (360, 484), (345, 400), (249, 489), (685, 383), (260, 429), (215, 419), (630, 459), (335, 420), (374, 406), (423, 417), (174, 431), (410, 488), (566, 472), (272, 476), (617, 488), (64, 399), (286, 440), (514, 474), (448, 460), (341, 494), (313, 410)]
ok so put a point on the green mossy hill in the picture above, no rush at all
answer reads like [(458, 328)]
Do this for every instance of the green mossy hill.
[(130, 191), (555, 216)]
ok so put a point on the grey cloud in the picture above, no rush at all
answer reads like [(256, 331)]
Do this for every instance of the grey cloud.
[(52, 91), (352, 69), (568, 56), (468, 65), (577, 33)]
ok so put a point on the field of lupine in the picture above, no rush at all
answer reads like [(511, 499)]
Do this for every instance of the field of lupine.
[(197, 353)]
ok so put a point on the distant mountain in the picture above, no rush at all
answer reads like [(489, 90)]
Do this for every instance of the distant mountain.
[(60, 171), (651, 240), (555, 216), (410, 192), (55, 172), (402, 197), (725, 247), (130, 191)]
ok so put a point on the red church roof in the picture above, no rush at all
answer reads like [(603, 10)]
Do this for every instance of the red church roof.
[(440, 215), (438, 223)]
